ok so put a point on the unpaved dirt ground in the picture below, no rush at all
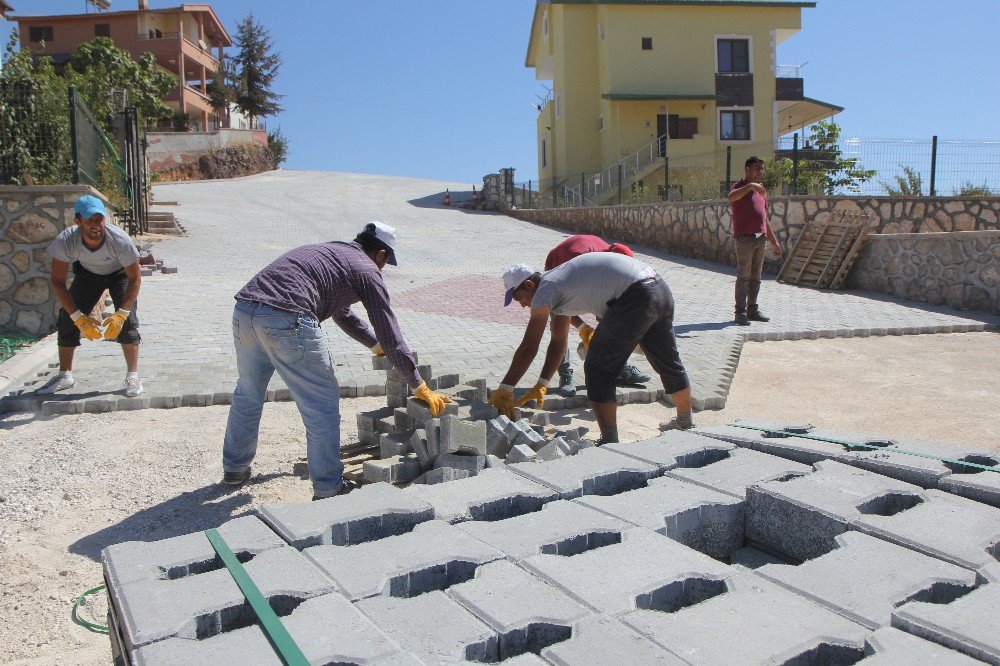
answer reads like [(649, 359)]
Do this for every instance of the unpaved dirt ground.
[(70, 486)]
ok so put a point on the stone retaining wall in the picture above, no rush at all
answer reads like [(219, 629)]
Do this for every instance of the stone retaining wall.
[(959, 269), (170, 149), (30, 217)]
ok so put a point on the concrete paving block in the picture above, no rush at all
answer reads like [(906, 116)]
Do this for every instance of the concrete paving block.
[(706, 520), (185, 555), (976, 484), (494, 461), (969, 624), (433, 430), (418, 409), (889, 647), (647, 569), (380, 363), (434, 556), (472, 464), (464, 393), (674, 449), (418, 442), (497, 442), (494, 494), (368, 437), (397, 388), (801, 450), (480, 411), (724, 621), (593, 471), (445, 474), (459, 436), (801, 516), (740, 469), (397, 469), (556, 449), (369, 420), (222, 398), (142, 402), (971, 538), (328, 629), (433, 627), (561, 528), (168, 270), (206, 604), (98, 405), (371, 512), (390, 445), (527, 614), (519, 454), (540, 418), (752, 558), (402, 419), (594, 636), (864, 578)]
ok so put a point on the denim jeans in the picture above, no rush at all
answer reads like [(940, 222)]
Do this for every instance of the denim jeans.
[(293, 344)]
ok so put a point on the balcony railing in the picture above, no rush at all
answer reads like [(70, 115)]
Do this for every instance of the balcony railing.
[(151, 35), (789, 71)]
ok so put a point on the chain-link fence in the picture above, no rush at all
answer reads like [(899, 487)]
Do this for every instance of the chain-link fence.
[(820, 164), (34, 134)]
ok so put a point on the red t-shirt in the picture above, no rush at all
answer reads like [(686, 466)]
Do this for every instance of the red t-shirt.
[(749, 212), (574, 246)]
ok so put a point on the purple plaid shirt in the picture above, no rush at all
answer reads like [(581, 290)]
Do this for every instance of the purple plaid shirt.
[(323, 281)]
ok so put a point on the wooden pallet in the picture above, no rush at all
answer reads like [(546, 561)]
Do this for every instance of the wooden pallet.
[(825, 251), (354, 458)]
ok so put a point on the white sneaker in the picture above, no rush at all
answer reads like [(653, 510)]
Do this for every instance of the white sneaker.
[(133, 387), (58, 382)]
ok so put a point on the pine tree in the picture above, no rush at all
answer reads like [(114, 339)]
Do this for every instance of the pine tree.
[(256, 68)]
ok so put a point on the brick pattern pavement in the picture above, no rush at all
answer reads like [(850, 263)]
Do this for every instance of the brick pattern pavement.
[(446, 293)]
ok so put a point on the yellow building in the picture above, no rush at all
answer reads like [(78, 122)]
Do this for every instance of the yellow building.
[(636, 81)]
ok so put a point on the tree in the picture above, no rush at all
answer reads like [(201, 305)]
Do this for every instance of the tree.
[(256, 69), (277, 143), (826, 170), (910, 184), (222, 89)]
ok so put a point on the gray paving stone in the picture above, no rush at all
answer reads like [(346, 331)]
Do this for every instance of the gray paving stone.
[(418, 442), (980, 485), (972, 537), (434, 556), (800, 517), (649, 569), (397, 469), (328, 629), (888, 647), (527, 614), (556, 449), (459, 436), (590, 472), (706, 520), (494, 494), (471, 464), (595, 635), (740, 469), (205, 604), (673, 449), (444, 475), (433, 627), (519, 454), (561, 527), (497, 442), (418, 409), (371, 512), (184, 555), (864, 578), (369, 420), (391, 445), (792, 630)]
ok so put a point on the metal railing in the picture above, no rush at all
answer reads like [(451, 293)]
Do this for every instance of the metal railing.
[(789, 71), (145, 36), (596, 188)]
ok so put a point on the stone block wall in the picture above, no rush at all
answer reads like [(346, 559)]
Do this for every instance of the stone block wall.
[(30, 217), (960, 269), (171, 149)]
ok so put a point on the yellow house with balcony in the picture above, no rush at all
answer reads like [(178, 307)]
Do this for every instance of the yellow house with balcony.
[(635, 82)]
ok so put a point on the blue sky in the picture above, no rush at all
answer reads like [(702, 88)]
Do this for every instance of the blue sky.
[(438, 89)]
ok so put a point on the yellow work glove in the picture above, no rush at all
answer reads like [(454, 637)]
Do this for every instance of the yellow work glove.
[(503, 400), (377, 350), (88, 325), (586, 333), (114, 324), (435, 401), (536, 393)]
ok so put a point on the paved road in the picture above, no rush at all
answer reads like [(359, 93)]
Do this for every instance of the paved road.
[(446, 291)]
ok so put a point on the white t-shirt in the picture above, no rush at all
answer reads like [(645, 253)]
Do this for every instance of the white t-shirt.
[(116, 252), (586, 283)]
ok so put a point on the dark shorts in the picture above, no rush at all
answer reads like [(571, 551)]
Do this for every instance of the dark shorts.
[(643, 315), (86, 289)]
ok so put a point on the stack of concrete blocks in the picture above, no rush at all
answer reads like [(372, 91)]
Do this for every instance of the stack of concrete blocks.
[(649, 551)]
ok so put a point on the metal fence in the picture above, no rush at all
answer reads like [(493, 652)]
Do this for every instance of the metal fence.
[(663, 170), (34, 135)]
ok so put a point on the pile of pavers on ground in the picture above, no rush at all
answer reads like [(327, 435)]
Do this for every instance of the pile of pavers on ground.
[(759, 542)]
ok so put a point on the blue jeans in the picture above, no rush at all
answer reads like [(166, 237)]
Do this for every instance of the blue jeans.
[(293, 344)]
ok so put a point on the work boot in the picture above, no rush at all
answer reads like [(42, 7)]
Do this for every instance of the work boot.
[(741, 318), (630, 375), (754, 314), (237, 478), (677, 423), (345, 487), (566, 385)]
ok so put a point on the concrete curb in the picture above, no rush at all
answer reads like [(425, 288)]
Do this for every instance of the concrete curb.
[(24, 363)]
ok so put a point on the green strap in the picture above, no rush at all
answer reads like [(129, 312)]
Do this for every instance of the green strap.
[(867, 446), (276, 632)]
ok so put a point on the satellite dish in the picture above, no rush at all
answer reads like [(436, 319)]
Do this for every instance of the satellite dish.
[(100, 4)]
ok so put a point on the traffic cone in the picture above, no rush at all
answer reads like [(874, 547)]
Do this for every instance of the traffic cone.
[(447, 198), (475, 196)]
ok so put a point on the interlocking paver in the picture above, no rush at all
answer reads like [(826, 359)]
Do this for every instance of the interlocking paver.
[(446, 292)]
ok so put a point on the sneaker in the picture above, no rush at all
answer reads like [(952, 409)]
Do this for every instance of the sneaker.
[(741, 319), (345, 487), (58, 382), (754, 314), (631, 375), (566, 385), (133, 387), (674, 424), (237, 478)]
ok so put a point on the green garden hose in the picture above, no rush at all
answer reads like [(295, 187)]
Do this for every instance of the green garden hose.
[(96, 628)]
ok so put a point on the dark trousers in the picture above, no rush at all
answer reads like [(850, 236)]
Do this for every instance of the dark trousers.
[(86, 289), (643, 315), (749, 263)]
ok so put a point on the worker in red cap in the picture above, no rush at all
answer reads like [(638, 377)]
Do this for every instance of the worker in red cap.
[(572, 247)]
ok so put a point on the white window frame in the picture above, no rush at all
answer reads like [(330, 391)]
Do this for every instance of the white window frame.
[(715, 49), (730, 109)]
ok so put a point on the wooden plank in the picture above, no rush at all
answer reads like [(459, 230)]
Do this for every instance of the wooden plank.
[(845, 237), (798, 280), (852, 255)]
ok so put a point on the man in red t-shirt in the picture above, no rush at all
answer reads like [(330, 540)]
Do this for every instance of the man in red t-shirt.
[(572, 247), (751, 231)]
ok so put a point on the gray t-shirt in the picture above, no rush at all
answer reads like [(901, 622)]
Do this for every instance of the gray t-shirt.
[(116, 252), (586, 283)]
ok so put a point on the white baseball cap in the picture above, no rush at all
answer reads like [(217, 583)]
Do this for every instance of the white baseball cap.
[(384, 233), (512, 279)]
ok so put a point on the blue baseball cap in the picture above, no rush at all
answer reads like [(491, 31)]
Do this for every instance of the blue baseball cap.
[(88, 205)]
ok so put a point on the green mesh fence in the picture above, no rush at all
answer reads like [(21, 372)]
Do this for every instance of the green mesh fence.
[(11, 342)]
